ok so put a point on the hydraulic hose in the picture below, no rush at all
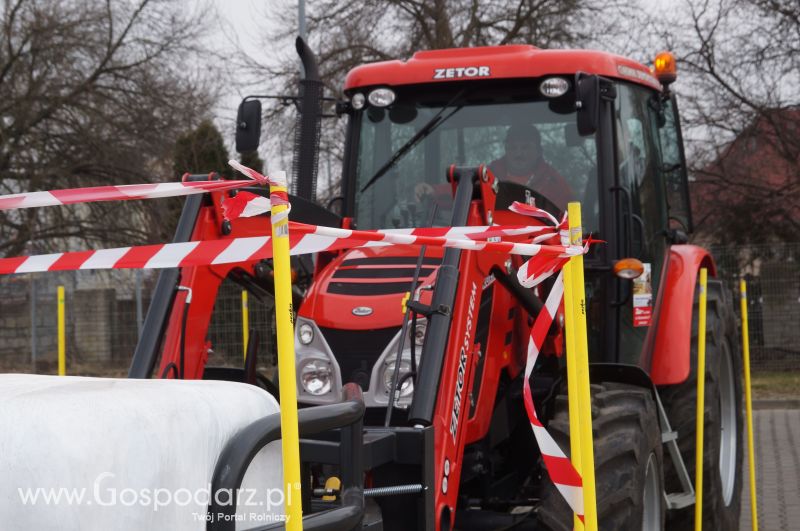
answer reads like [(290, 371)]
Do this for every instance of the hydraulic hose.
[(184, 318)]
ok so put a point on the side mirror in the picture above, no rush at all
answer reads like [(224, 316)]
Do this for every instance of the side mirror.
[(587, 103), (248, 126)]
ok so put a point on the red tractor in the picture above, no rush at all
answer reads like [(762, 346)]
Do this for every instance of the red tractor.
[(419, 414)]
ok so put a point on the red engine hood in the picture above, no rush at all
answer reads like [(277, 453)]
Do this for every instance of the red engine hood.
[(363, 289)]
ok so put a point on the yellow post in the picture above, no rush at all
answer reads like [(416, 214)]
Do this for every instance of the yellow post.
[(580, 406), (748, 405), (284, 318), (245, 324), (62, 333), (701, 400), (572, 383)]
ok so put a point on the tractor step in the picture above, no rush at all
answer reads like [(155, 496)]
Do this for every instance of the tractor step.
[(679, 500), (669, 437)]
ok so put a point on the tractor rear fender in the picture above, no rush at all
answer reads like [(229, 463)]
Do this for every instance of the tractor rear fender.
[(671, 349)]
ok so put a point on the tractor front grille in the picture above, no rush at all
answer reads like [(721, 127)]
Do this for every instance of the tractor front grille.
[(368, 288), (383, 272), (357, 350), (379, 275)]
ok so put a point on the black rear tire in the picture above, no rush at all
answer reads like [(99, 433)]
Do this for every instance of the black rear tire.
[(626, 438), (721, 499)]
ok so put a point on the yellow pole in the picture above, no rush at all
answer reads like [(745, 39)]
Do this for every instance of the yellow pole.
[(748, 405), (284, 318), (62, 333), (572, 382), (701, 400), (245, 324), (578, 357)]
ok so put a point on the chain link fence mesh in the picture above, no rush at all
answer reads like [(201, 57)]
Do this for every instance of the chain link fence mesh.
[(772, 273), (226, 333), (105, 309), (104, 315)]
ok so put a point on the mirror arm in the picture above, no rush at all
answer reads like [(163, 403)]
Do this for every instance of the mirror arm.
[(284, 99)]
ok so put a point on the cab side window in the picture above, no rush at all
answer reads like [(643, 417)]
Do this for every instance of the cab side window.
[(673, 166), (642, 213), (638, 167)]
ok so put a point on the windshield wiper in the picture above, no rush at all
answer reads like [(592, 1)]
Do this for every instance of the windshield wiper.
[(424, 131)]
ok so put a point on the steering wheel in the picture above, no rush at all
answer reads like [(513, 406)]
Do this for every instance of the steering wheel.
[(508, 192), (416, 213)]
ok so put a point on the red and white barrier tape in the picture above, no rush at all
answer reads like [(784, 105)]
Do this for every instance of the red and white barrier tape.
[(563, 475), (115, 193), (275, 197), (304, 239), (535, 212), (245, 205)]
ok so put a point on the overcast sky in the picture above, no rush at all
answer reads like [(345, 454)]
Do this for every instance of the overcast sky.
[(246, 16), (240, 25)]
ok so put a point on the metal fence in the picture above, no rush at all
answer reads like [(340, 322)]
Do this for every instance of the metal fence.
[(105, 310), (227, 335), (772, 273), (104, 315)]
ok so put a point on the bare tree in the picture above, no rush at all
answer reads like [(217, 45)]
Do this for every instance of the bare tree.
[(345, 34), (350, 33), (741, 113), (93, 92)]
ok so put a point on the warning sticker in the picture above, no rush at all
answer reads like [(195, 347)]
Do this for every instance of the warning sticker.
[(643, 298)]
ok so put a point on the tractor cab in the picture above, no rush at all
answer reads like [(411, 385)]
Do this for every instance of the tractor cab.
[(551, 127)]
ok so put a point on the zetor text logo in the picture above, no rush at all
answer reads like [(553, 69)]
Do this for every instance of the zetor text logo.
[(462, 366), (461, 71)]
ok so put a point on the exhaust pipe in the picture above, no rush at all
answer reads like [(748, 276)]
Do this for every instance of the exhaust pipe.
[(307, 132)]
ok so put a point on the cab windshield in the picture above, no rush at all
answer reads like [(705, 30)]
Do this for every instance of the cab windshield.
[(530, 143)]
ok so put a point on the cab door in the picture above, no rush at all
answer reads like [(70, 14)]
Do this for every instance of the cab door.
[(642, 219)]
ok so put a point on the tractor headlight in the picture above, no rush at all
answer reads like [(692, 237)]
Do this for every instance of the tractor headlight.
[(381, 97), (407, 387), (316, 376), (305, 333)]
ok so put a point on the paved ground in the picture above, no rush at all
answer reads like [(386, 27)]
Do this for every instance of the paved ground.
[(777, 440)]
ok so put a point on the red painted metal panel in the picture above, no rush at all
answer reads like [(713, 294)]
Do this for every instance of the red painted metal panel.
[(670, 363), (497, 62)]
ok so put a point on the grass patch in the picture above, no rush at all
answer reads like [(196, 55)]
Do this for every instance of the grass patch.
[(776, 385)]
